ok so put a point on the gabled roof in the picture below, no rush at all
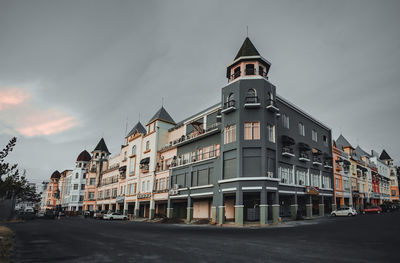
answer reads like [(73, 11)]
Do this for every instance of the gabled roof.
[(361, 152), (84, 156), (247, 49), (101, 146), (162, 115), (385, 156), (341, 142), (138, 128)]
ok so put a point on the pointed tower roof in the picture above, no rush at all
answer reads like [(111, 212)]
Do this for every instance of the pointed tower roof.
[(342, 142), (162, 115), (84, 156), (385, 156), (55, 175), (101, 146), (138, 128), (247, 49)]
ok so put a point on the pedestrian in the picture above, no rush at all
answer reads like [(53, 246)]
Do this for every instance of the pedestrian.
[(59, 215)]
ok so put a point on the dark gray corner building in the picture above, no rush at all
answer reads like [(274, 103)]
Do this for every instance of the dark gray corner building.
[(255, 157)]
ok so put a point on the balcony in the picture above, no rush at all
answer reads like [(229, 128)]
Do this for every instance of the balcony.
[(271, 105), (252, 102), (317, 160), (328, 164), (229, 106), (182, 160), (288, 152), (304, 157), (248, 72)]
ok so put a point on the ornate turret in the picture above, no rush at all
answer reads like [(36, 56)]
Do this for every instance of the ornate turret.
[(248, 62), (101, 150)]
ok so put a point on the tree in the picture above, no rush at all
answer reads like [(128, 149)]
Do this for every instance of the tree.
[(14, 185)]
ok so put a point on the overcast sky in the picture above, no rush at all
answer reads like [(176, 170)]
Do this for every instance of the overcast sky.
[(74, 71)]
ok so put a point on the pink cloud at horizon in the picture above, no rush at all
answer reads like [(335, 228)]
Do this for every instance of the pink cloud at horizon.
[(46, 123), (11, 97)]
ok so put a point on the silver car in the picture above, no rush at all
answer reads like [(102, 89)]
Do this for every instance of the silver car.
[(116, 216)]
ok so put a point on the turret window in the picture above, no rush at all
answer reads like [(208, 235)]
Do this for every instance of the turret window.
[(250, 70), (302, 130), (236, 72), (134, 150), (285, 120), (230, 101)]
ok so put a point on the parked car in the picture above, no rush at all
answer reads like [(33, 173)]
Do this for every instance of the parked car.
[(372, 209), (388, 207), (40, 214), (99, 214), (344, 211), (117, 216)]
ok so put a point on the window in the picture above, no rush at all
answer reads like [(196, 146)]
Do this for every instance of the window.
[(143, 185), (132, 166), (302, 130), (236, 72), (271, 132), (82, 186), (261, 71), (91, 195), (285, 120), (250, 69), (74, 198), (393, 192), (133, 149), (314, 135), (92, 181), (147, 145), (326, 182), (230, 168), (301, 177), (251, 96), (270, 96), (315, 180), (230, 97), (75, 186), (80, 198), (286, 175), (325, 140), (230, 133), (76, 176), (148, 186), (252, 130)]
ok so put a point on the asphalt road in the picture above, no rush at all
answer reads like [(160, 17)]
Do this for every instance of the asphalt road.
[(368, 238)]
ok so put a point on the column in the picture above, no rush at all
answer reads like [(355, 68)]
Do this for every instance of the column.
[(321, 206), (136, 212), (309, 207), (239, 207), (221, 210), (213, 212), (189, 210), (170, 208), (294, 207), (275, 208), (263, 207), (152, 208)]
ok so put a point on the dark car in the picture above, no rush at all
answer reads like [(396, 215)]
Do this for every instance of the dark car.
[(388, 207)]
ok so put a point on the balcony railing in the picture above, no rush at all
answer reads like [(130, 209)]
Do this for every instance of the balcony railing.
[(271, 105), (317, 160), (252, 99), (248, 72), (229, 106), (252, 102), (195, 158), (304, 157), (287, 151)]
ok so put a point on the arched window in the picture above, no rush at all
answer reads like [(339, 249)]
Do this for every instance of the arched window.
[(134, 149), (251, 96), (230, 102), (230, 97), (250, 69)]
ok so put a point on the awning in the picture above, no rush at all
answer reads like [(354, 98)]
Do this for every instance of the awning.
[(316, 151), (304, 146), (287, 141), (145, 160)]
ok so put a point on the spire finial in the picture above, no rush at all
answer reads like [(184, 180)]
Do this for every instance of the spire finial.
[(162, 101), (247, 31)]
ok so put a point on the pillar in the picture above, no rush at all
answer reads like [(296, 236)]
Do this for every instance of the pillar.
[(263, 207), (321, 206), (309, 207), (152, 209), (136, 212), (294, 208), (239, 208), (275, 208), (189, 210), (170, 209), (213, 214), (221, 214)]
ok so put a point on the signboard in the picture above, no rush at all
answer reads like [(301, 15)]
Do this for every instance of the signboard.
[(310, 190), (146, 195), (120, 199)]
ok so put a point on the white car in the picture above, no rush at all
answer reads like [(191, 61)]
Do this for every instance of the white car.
[(116, 216), (344, 211)]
